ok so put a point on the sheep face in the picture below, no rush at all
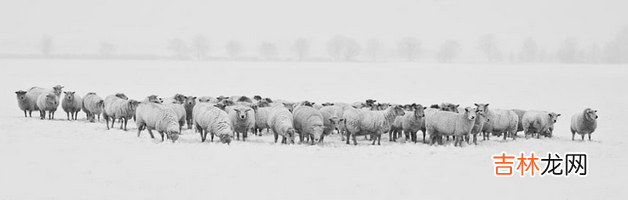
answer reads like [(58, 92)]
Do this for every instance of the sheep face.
[(225, 139), (317, 131), (370, 102), (290, 136), (481, 107), (179, 98), (449, 107), (590, 114), (227, 102), (58, 89), (419, 110), (154, 99), (204, 99), (257, 97), (122, 96), (190, 100), (263, 103), (242, 112), (398, 110), (553, 116), (289, 106), (69, 96), (471, 113), (51, 99), (21, 95)]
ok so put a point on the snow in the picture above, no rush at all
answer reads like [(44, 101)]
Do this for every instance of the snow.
[(60, 159)]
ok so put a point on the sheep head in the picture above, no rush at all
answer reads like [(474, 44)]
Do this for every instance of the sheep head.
[(21, 95), (471, 113), (553, 116), (590, 114)]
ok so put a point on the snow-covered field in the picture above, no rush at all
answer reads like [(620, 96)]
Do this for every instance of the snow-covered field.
[(59, 159)]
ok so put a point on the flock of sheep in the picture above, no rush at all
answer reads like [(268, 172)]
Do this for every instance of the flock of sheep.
[(229, 117)]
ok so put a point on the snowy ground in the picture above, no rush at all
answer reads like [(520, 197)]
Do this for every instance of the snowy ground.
[(58, 159)]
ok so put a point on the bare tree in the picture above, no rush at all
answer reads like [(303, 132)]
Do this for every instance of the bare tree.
[(200, 46), (178, 48), (268, 50), (302, 48), (335, 47), (374, 49), (529, 50), (448, 51), (47, 45), (409, 48), (352, 49), (488, 44), (568, 51), (234, 49), (107, 49)]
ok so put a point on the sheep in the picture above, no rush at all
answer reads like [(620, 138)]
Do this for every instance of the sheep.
[(450, 123), (208, 118), (179, 111), (153, 99), (410, 123), (47, 102), (207, 99), (520, 114), (153, 116), (243, 99), (501, 121), (539, 122), (119, 108), (36, 91), (480, 121), (308, 122), (242, 120), (93, 106), (280, 121), (190, 102), (261, 119), (331, 112), (584, 123), (375, 123), (330, 123), (447, 107), (25, 103), (72, 104)]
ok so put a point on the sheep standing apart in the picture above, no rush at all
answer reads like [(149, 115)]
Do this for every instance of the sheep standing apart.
[(93, 106), (374, 123), (308, 122), (119, 108), (72, 105), (47, 102), (190, 102), (25, 103), (584, 123), (539, 122), (179, 111), (261, 119), (242, 120), (501, 121), (520, 114), (280, 121), (450, 123), (208, 118), (153, 116)]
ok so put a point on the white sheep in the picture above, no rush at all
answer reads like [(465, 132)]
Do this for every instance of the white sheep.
[(207, 99), (308, 122), (584, 123), (539, 122), (34, 92), (410, 123), (374, 123), (72, 104), (119, 108), (208, 118), (153, 116), (501, 121), (335, 113), (25, 103), (176, 104), (190, 102), (520, 114), (242, 120), (261, 119), (480, 121), (93, 105), (47, 102), (449, 123), (280, 121)]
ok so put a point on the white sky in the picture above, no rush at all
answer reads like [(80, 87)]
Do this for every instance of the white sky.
[(138, 23)]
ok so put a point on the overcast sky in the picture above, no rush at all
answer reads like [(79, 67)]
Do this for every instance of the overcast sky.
[(138, 22)]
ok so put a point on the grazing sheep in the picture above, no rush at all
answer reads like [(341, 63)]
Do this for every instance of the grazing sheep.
[(308, 122), (119, 108), (153, 116), (47, 102), (450, 123), (93, 106), (261, 119), (410, 123), (584, 123), (539, 122), (501, 121), (72, 104), (242, 120), (374, 123), (190, 102), (208, 118), (520, 114), (25, 103), (280, 121), (179, 111)]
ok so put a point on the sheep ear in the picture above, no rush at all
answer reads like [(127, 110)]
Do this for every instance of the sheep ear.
[(594, 110), (557, 115), (466, 109), (194, 98), (487, 105), (476, 104), (65, 92), (458, 105)]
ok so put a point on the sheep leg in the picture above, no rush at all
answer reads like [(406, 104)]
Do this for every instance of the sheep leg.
[(391, 136), (42, 114), (244, 135), (505, 133), (348, 135), (211, 136), (379, 138), (355, 142), (423, 136), (277, 137), (475, 139), (25, 113), (151, 133), (582, 137), (113, 120), (139, 129), (162, 135), (573, 135)]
